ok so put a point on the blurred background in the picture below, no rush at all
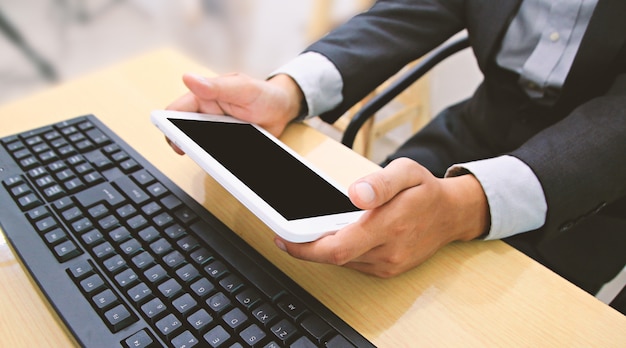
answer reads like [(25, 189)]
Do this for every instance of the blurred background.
[(43, 42)]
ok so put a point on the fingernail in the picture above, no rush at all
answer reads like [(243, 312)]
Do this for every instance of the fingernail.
[(279, 243), (198, 78), (365, 191)]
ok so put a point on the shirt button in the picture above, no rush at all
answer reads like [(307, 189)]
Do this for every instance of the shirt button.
[(555, 36)]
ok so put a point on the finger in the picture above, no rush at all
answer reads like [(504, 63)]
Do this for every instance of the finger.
[(380, 187), (186, 103), (345, 246), (174, 147)]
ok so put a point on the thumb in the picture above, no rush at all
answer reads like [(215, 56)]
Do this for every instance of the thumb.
[(380, 187), (232, 88), (200, 86)]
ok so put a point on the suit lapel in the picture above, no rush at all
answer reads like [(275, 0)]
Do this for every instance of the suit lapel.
[(605, 37), (487, 24)]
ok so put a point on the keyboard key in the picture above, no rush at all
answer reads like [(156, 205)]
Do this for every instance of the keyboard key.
[(92, 237), (200, 320), (292, 307), (157, 190), (119, 234), (216, 269), (153, 308), (132, 190), (53, 192), (66, 251), (96, 158), (217, 337), (126, 211), (21, 190), (72, 214), (143, 260), (149, 234), (170, 288), (29, 201), (235, 318), (80, 269), (219, 302), (103, 192), (231, 283), (126, 278), (46, 224), (161, 246), (114, 264), (185, 340), (188, 243), (137, 222), (55, 236), (252, 335), (155, 274), (248, 297), (103, 250), (130, 247), (141, 339), (143, 178), (284, 330), (187, 273), (140, 293), (338, 342), (203, 287), (82, 225), (105, 299), (118, 318), (92, 284), (169, 325), (201, 256), (316, 327), (184, 304), (265, 314), (108, 222), (98, 211), (303, 342), (174, 259), (13, 181)]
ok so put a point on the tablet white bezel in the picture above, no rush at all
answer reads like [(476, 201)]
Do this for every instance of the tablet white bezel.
[(299, 231)]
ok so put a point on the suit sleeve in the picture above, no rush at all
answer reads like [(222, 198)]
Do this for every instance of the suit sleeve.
[(374, 45), (581, 160)]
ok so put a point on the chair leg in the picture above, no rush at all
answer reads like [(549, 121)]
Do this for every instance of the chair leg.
[(46, 69)]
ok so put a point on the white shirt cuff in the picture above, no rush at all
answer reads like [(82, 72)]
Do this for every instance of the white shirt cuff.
[(516, 200), (319, 80)]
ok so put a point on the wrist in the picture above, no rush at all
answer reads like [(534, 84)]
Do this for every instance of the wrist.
[(472, 214), (295, 103)]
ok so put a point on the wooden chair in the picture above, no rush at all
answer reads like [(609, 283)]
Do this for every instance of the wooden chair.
[(403, 86), (411, 103)]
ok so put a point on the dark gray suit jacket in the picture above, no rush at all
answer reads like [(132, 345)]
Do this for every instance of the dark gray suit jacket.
[(576, 148)]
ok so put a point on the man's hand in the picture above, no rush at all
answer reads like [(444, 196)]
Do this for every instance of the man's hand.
[(271, 104), (410, 215)]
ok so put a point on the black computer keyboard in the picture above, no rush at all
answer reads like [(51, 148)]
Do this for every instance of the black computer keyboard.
[(126, 258)]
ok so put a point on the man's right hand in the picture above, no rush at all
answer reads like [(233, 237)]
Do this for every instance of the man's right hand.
[(271, 104)]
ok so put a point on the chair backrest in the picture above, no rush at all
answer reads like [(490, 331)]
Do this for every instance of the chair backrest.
[(400, 84)]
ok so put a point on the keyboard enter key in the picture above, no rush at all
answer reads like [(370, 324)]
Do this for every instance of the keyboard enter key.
[(103, 192), (134, 192)]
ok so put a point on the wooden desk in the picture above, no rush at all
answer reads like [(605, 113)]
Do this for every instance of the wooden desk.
[(469, 294)]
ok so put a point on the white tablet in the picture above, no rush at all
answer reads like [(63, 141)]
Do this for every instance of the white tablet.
[(297, 201)]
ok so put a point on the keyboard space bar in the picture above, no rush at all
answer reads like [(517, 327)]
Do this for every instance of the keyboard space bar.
[(103, 192)]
